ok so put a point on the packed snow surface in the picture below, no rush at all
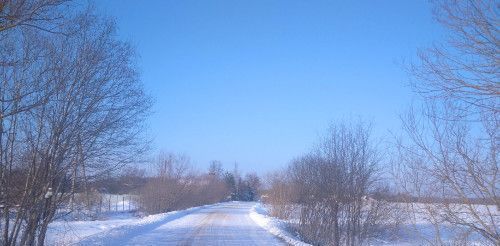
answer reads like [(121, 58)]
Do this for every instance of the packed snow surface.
[(219, 224)]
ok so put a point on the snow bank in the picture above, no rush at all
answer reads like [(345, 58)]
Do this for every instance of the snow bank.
[(275, 226)]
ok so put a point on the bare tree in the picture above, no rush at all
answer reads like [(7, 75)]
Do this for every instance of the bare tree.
[(330, 188), (450, 155), (334, 179), (22, 69), (216, 169), (464, 70), (83, 117), (447, 164), (37, 14)]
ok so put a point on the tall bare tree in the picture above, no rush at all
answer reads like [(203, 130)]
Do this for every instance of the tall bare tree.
[(452, 146), (464, 70), (38, 14), (72, 107)]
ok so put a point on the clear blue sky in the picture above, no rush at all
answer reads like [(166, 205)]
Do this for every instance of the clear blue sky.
[(255, 82)]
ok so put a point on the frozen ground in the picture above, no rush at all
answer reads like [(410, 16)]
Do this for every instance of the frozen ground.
[(231, 223)]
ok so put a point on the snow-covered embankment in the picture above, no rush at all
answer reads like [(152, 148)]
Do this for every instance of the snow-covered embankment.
[(275, 226)]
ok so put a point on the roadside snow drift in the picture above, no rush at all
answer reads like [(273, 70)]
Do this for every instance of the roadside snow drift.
[(275, 226)]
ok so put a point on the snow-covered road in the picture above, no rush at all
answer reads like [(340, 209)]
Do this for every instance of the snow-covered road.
[(220, 224)]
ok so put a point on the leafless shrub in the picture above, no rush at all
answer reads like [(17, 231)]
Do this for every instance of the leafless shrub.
[(177, 186), (280, 195), (330, 190)]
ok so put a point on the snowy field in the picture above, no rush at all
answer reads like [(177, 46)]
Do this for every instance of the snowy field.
[(416, 226), (421, 228)]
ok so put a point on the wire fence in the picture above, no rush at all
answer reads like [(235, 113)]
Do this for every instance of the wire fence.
[(97, 204)]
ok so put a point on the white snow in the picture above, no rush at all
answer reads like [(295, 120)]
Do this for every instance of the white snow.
[(70, 232), (413, 231), (275, 226), (230, 223), (108, 231), (227, 223), (419, 229)]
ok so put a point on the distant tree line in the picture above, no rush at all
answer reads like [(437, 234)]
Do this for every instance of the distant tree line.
[(176, 185), (242, 189), (173, 183)]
